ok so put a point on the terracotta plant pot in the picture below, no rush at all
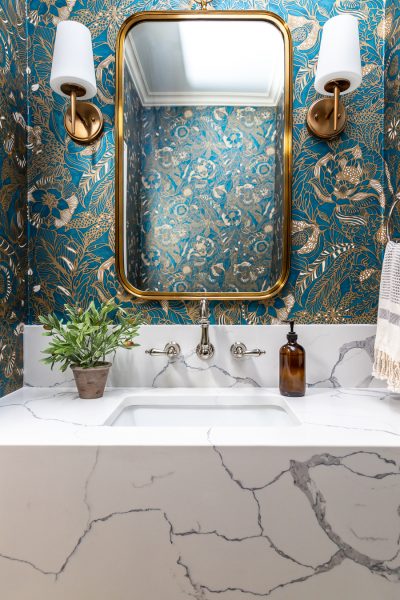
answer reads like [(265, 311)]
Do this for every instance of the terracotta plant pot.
[(91, 382)]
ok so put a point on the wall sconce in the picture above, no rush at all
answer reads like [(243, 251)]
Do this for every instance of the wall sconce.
[(338, 72), (73, 76)]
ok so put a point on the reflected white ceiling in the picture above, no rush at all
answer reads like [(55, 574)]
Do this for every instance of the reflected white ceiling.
[(197, 63)]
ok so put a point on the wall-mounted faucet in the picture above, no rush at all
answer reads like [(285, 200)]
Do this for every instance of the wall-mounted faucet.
[(205, 349)]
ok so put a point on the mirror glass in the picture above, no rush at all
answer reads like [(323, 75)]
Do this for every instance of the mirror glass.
[(203, 180)]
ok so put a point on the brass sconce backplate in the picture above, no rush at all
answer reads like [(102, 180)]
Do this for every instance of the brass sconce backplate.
[(327, 118), (88, 123), (320, 119)]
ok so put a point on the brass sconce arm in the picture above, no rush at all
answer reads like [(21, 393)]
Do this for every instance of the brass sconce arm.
[(74, 92), (73, 111), (336, 108), (83, 120), (336, 88), (327, 117)]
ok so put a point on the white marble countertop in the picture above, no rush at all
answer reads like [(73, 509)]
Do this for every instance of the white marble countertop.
[(327, 417)]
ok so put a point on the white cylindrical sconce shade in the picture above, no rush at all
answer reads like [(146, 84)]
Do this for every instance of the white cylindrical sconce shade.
[(339, 55), (73, 62)]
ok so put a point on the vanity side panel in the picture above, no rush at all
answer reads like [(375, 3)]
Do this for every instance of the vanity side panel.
[(238, 522)]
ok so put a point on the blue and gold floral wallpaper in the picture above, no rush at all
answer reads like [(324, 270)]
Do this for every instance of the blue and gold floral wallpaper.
[(341, 189), (13, 141), (207, 199), (392, 104), (339, 199)]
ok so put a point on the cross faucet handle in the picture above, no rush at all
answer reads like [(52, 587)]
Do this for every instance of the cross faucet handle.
[(171, 350), (239, 350)]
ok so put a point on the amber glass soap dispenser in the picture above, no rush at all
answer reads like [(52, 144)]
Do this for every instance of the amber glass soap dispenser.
[(292, 366)]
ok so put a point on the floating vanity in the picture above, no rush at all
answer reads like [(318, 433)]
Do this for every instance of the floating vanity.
[(100, 499)]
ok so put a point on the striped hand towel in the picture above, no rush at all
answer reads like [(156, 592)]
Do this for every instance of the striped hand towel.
[(387, 343)]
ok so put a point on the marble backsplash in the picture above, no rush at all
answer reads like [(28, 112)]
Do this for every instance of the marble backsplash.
[(337, 356)]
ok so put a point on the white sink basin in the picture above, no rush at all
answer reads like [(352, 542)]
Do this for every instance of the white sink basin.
[(207, 412)]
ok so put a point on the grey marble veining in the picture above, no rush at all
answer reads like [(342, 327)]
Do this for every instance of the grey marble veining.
[(203, 523), (366, 346), (339, 416), (97, 512), (297, 514)]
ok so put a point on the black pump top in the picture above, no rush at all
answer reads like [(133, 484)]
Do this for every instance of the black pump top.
[(292, 335)]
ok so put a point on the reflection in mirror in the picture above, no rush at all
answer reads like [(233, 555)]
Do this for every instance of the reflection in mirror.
[(203, 136)]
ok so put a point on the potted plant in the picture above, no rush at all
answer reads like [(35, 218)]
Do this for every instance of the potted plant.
[(86, 340)]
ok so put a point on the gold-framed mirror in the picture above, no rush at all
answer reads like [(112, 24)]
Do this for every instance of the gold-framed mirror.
[(203, 154)]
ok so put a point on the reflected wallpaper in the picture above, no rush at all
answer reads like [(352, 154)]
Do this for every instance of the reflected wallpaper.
[(13, 131), (133, 144), (339, 187), (207, 198), (279, 192)]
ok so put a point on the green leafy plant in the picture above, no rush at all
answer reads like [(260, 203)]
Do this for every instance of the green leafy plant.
[(88, 336)]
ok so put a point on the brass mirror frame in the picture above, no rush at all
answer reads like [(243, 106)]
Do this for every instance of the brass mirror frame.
[(190, 15)]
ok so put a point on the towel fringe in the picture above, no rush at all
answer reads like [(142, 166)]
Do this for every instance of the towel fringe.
[(387, 369)]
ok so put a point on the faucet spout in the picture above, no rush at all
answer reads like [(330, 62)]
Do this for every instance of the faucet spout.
[(205, 350)]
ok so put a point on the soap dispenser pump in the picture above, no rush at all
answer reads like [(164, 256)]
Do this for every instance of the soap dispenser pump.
[(292, 366)]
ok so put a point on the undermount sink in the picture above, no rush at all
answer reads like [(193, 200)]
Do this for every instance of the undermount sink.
[(207, 412)]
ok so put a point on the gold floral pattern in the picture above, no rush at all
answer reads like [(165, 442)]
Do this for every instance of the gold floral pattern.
[(392, 106), (207, 203), (341, 190), (339, 187), (13, 137)]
